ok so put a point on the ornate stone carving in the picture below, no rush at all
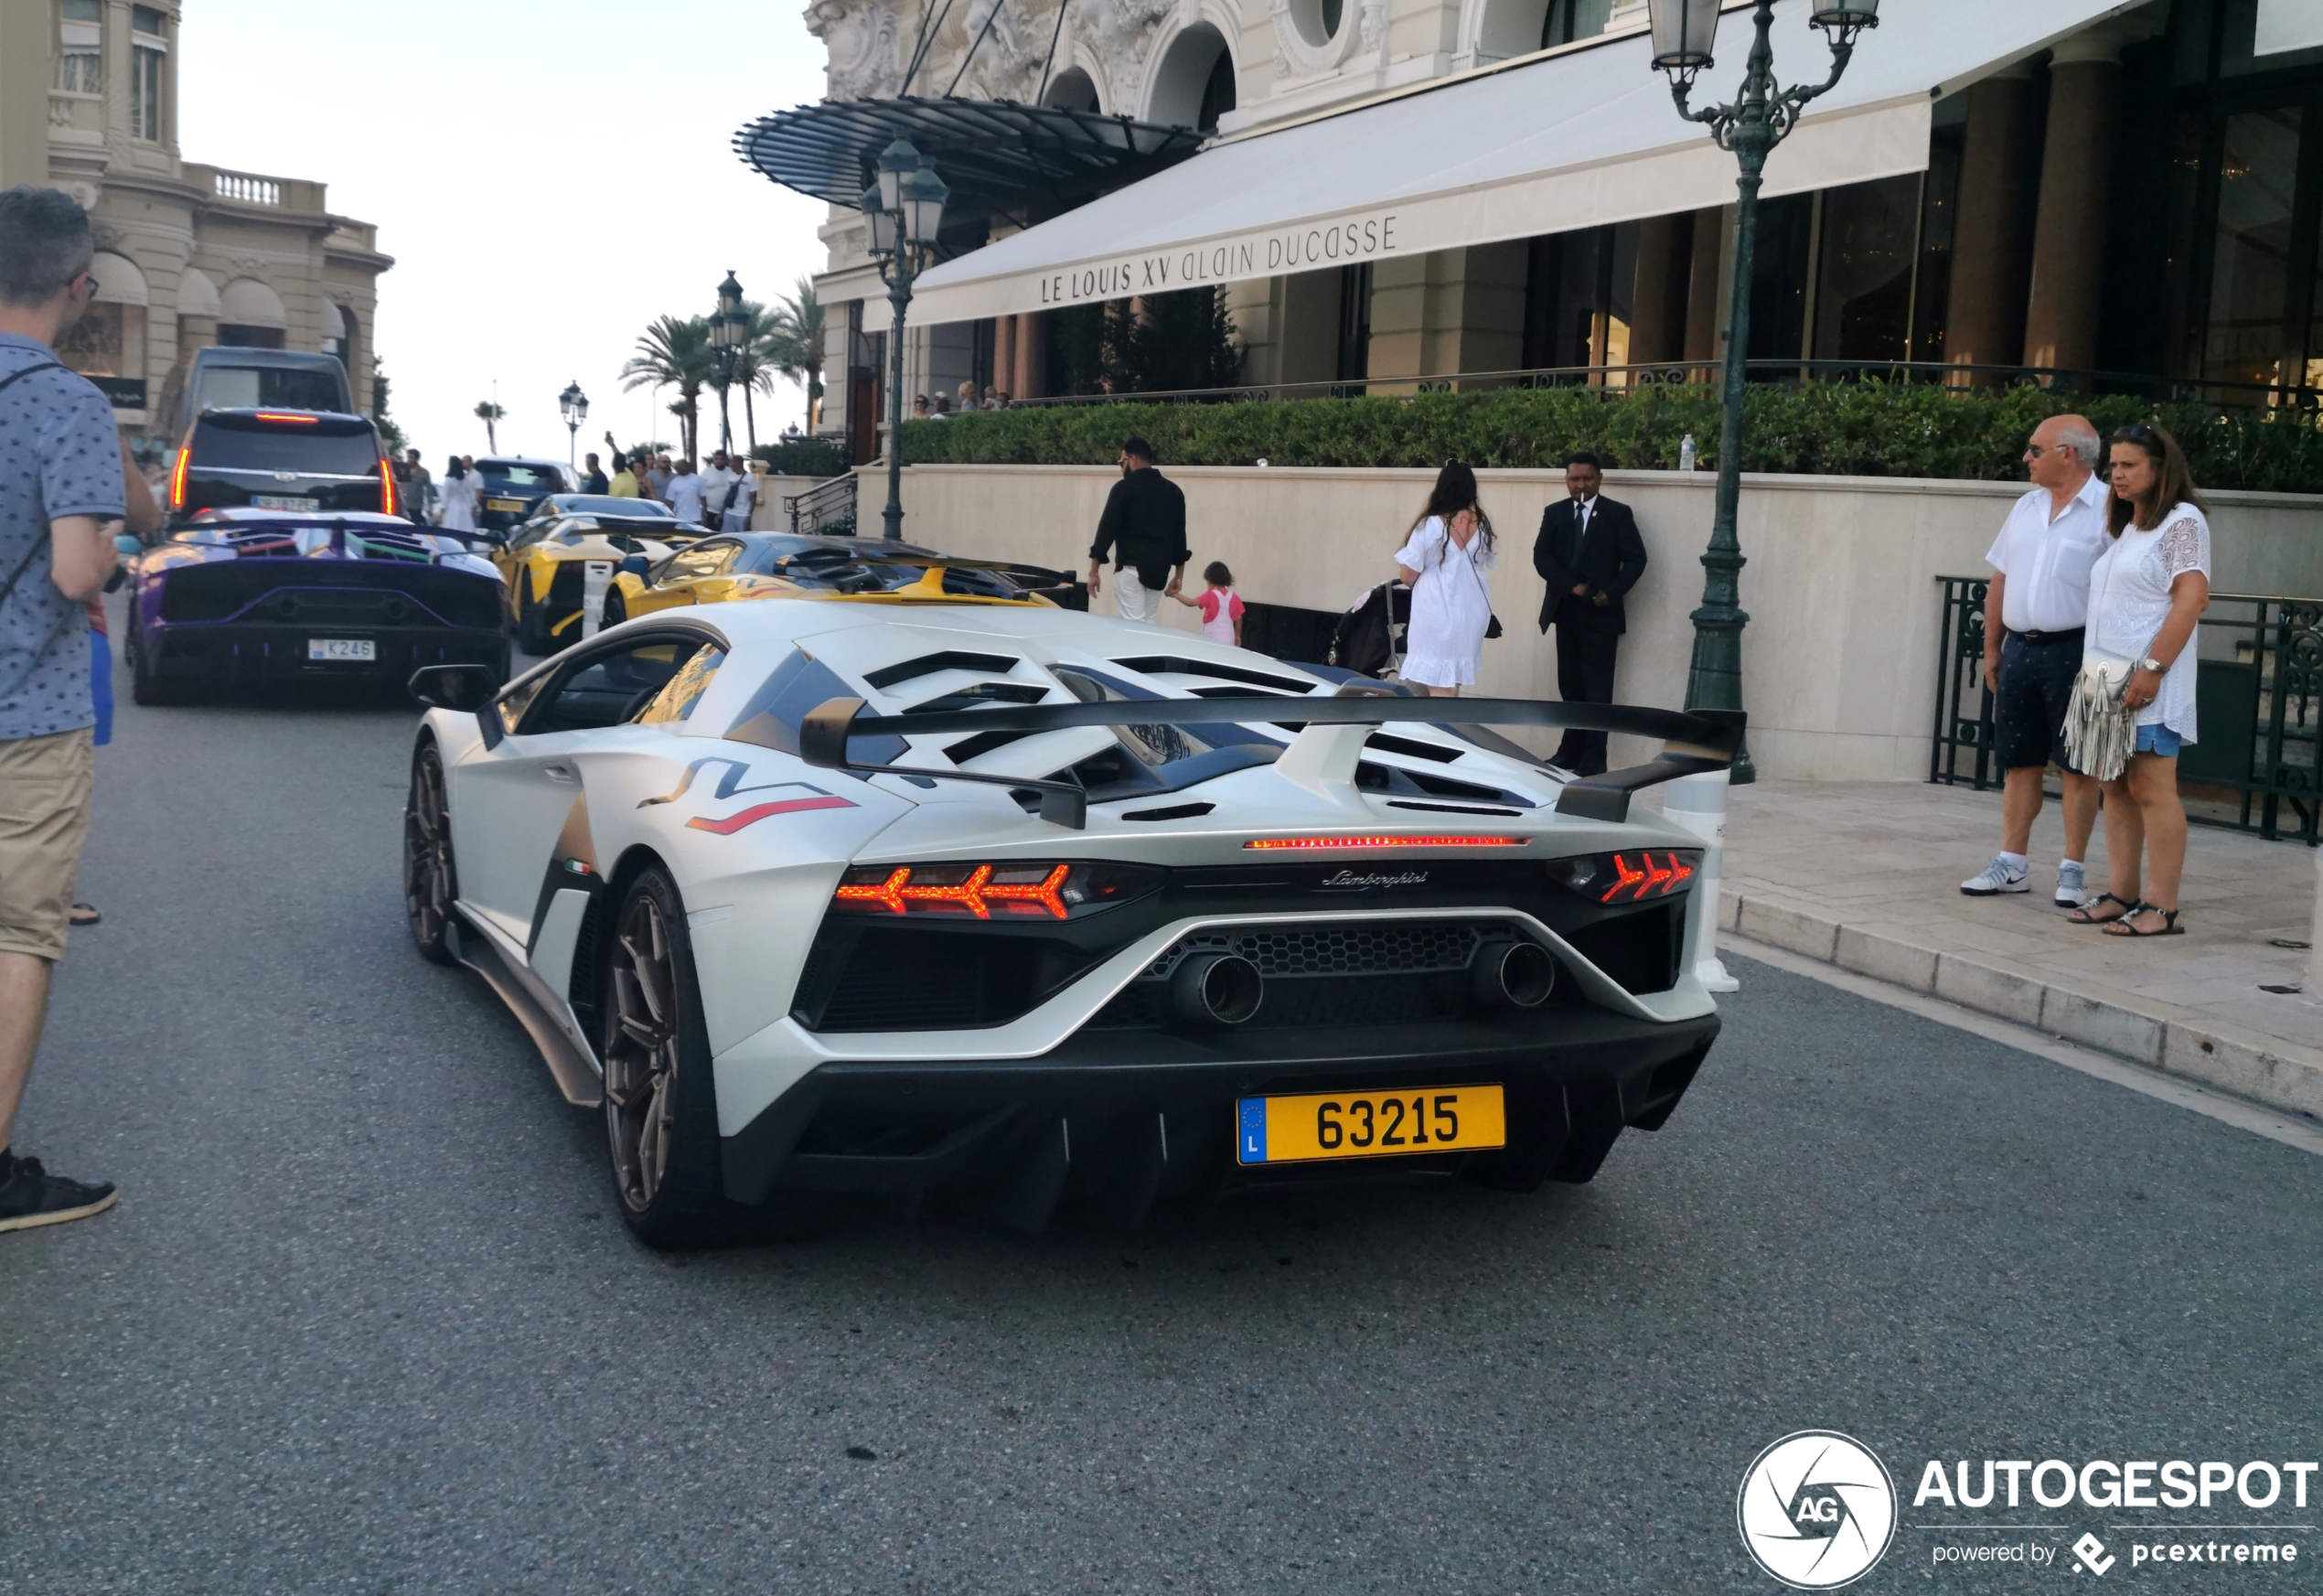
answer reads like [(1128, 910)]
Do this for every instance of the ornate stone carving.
[(862, 41), (1373, 22), (1121, 34), (1007, 65)]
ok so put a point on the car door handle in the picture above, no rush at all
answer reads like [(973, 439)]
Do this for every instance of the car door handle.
[(559, 773)]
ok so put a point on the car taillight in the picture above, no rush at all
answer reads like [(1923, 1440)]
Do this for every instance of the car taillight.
[(1629, 877), (283, 419), (387, 490), (1040, 891), (178, 478)]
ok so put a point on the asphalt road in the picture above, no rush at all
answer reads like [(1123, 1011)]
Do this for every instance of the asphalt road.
[(365, 1319)]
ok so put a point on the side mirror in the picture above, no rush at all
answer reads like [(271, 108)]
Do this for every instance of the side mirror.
[(455, 687), (635, 564)]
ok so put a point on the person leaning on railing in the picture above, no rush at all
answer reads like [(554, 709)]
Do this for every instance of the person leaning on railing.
[(2146, 594)]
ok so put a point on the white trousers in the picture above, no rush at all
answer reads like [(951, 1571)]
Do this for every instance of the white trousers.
[(1133, 599)]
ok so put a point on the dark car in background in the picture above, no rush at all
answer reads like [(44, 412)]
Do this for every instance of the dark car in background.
[(296, 460), (513, 486), (252, 597), (237, 376)]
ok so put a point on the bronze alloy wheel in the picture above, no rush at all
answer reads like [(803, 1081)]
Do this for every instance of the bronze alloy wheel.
[(429, 886), (641, 1052)]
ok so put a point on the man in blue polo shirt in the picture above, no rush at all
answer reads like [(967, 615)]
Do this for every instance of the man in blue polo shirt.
[(61, 483)]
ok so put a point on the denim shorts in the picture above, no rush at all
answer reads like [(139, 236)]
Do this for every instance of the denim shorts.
[(2159, 740)]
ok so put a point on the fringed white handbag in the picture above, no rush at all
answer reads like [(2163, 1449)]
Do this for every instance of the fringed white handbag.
[(2101, 731)]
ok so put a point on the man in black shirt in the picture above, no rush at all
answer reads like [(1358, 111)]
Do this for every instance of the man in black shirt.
[(1143, 530), (1590, 556), (596, 481)]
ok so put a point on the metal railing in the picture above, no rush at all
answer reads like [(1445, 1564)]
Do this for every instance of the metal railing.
[(1707, 374), (2258, 693), (827, 507)]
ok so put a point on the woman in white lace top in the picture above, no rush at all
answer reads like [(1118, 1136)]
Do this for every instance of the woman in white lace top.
[(2145, 592)]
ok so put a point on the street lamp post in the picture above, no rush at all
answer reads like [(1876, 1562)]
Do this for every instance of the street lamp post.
[(906, 209), (574, 405), (1685, 34), (726, 329)]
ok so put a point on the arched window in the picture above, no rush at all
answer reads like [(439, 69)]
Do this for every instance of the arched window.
[(1195, 84), (1071, 91)]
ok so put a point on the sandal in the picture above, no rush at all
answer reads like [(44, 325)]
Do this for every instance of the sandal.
[(84, 915), (2170, 927), (2082, 916)]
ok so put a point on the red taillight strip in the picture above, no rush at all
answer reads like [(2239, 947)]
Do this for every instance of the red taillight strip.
[(1269, 844), (284, 419), (896, 893), (1646, 877), (387, 488), (178, 478)]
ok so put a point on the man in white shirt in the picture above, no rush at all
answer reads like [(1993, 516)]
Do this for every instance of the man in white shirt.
[(717, 482), (2040, 598), (739, 500), (684, 494)]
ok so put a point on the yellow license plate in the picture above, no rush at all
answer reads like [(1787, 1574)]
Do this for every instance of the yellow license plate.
[(504, 504), (1321, 1125)]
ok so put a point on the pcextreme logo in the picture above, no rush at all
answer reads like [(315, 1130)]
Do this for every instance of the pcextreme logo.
[(1817, 1509)]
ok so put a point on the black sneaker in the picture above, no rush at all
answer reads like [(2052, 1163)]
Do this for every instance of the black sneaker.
[(31, 1197)]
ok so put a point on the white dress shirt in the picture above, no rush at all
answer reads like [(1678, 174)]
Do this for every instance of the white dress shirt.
[(2046, 561)]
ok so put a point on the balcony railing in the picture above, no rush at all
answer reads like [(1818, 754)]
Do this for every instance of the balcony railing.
[(2258, 691), (828, 506), (1708, 374), (248, 189)]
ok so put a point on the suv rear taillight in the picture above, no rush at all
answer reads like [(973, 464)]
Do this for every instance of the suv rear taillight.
[(177, 478), (387, 488)]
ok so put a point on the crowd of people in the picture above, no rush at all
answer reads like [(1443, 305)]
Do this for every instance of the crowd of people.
[(939, 406), (719, 498), (2098, 583)]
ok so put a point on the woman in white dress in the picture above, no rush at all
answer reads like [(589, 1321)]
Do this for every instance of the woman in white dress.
[(1443, 561), (456, 497), (2145, 592)]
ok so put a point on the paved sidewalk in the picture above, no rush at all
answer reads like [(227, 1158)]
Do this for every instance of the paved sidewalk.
[(1867, 875)]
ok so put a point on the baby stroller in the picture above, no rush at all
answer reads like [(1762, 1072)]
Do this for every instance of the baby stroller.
[(1370, 638)]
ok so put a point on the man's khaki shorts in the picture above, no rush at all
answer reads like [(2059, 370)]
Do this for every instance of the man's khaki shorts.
[(44, 814)]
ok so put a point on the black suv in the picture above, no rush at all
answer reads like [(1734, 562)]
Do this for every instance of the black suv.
[(280, 459)]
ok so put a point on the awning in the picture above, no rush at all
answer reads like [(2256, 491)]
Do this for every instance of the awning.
[(995, 154), (1578, 138)]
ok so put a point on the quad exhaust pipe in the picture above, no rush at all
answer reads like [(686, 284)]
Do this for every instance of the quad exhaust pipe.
[(1511, 973), (1215, 989)]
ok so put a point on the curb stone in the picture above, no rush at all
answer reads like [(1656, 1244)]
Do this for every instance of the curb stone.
[(2248, 1064)]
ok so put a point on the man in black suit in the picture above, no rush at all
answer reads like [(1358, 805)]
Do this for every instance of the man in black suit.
[(1589, 555)]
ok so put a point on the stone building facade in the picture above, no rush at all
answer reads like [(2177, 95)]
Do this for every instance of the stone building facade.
[(2136, 196), (190, 255)]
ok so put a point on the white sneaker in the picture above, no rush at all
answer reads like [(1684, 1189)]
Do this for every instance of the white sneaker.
[(1997, 878), (2071, 886)]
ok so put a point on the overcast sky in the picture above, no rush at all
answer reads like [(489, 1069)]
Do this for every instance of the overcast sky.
[(549, 178)]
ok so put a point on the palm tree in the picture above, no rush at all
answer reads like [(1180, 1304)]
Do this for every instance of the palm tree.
[(491, 415), (677, 353), (754, 365), (795, 349)]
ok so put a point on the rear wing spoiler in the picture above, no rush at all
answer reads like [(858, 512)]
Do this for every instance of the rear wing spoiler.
[(1694, 742)]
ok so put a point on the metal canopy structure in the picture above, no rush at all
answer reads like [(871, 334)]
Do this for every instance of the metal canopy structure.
[(995, 154)]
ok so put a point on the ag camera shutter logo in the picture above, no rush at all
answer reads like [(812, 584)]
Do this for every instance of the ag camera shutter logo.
[(1816, 1510)]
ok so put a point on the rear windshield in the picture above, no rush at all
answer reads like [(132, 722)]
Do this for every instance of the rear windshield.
[(499, 475), (269, 388), (321, 450)]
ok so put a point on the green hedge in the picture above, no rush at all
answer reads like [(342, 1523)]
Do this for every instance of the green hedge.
[(802, 457), (1857, 429)]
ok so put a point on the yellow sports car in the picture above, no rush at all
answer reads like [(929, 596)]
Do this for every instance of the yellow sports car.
[(545, 560), (793, 565)]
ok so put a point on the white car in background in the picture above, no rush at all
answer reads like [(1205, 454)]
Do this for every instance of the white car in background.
[(1024, 907)]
